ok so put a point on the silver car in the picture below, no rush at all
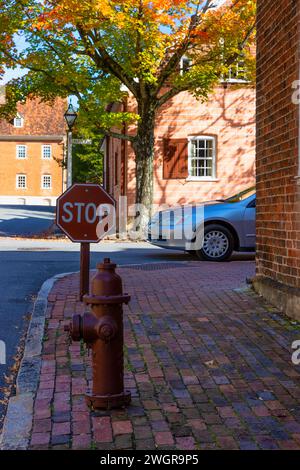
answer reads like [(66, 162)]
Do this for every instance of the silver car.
[(226, 225)]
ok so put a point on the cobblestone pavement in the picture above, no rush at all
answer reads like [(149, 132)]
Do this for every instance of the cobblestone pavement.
[(208, 364)]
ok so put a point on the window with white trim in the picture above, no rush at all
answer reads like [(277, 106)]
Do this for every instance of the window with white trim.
[(18, 121), (202, 157), (46, 182), (237, 73), (21, 151), (21, 181), (185, 64), (46, 152)]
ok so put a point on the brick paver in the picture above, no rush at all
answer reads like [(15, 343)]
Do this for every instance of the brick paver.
[(207, 362)]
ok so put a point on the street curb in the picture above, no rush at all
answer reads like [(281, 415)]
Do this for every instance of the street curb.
[(18, 420)]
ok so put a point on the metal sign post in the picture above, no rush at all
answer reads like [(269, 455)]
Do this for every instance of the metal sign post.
[(69, 160), (84, 269)]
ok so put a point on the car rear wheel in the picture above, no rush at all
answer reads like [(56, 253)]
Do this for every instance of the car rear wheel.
[(218, 244)]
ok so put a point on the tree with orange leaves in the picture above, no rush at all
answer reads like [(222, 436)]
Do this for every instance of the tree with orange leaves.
[(99, 49)]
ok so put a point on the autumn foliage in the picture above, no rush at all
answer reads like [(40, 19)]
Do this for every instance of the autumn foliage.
[(99, 50)]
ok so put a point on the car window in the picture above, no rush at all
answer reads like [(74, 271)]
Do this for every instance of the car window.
[(252, 204), (241, 196)]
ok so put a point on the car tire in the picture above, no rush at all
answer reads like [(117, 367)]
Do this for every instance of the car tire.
[(218, 244)]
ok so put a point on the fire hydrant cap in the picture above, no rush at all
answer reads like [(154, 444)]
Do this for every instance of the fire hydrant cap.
[(106, 264)]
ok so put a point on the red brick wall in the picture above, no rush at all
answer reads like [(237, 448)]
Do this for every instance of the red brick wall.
[(33, 167), (229, 115), (278, 202)]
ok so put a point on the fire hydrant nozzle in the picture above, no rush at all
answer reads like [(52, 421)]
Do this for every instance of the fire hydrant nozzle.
[(107, 329), (102, 330)]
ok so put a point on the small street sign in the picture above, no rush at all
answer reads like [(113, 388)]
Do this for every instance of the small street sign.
[(82, 142)]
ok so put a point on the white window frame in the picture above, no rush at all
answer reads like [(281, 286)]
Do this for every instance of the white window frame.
[(20, 119), (228, 77), (183, 58), (17, 181), (43, 147), (17, 151), (42, 182), (237, 71), (212, 139)]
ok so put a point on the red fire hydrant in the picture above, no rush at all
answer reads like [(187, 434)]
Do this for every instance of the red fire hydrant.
[(102, 330)]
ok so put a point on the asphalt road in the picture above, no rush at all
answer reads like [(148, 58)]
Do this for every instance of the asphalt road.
[(21, 220)]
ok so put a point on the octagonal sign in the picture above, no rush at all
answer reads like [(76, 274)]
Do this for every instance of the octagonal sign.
[(80, 209)]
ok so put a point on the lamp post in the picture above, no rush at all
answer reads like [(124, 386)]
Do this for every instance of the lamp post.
[(70, 117)]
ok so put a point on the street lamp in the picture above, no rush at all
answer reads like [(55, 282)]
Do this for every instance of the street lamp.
[(70, 117)]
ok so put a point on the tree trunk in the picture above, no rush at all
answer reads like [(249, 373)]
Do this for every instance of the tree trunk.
[(143, 146)]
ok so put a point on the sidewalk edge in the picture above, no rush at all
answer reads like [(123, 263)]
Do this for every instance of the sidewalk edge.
[(18, 420)]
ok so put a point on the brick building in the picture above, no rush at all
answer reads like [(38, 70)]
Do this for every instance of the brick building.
[(203, 151), (31, 154), (278, 154)]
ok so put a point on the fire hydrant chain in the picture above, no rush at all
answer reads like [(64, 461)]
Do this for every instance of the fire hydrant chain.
[(102, 331)]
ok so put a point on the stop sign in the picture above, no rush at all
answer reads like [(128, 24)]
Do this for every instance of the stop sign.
[(79, 210)]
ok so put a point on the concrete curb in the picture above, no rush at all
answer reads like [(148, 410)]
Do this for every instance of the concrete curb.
[(18, 420)]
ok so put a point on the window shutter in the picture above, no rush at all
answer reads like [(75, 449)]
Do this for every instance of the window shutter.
[(175, 158)]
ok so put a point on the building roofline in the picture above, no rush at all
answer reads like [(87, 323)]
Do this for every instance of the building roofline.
[(31, 138)]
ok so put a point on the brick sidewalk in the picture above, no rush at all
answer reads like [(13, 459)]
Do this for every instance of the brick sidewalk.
[(209, 366)]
